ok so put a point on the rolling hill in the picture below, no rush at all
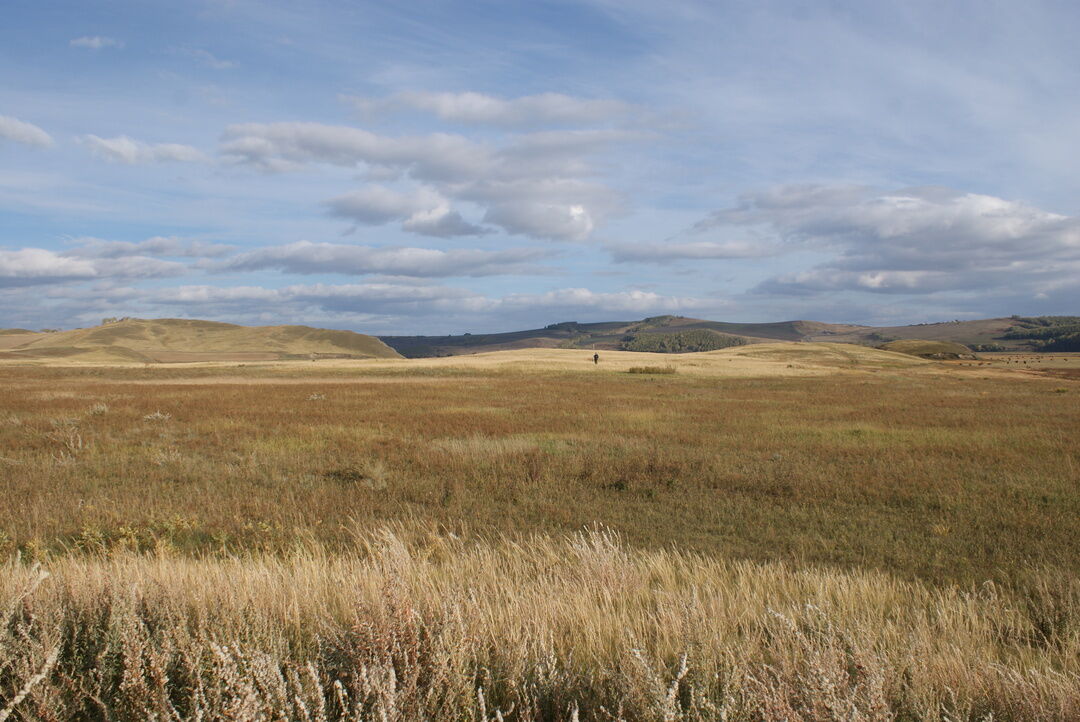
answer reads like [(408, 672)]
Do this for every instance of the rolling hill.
[(179, 340), (937, 350), (675, 334), (682, 335)]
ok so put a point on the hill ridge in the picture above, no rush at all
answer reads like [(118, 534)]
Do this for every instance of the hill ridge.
[(172, 340), (981, 334)]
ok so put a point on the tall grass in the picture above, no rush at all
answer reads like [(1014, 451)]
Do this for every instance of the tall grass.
[(424, 626)]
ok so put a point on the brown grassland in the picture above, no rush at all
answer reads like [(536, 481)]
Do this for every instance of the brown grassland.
[(774, 532)]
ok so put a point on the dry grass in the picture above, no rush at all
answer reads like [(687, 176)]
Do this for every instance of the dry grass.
[(583, 628), (946, 477), (868, 543)]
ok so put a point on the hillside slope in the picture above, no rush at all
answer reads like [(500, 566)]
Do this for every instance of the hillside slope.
[(938, 350), (610, 336), (991, 334), (987, 332), (177, 340)]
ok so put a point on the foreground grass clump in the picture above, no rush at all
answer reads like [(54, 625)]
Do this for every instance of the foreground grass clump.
[(651, 370), (419, 625)]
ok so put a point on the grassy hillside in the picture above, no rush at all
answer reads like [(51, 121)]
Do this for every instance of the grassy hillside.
[(984, 334), (940, 350), (995, 334), (609, 335), (165, 340)]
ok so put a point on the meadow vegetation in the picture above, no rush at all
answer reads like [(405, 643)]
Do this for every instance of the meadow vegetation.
[(407, 543)]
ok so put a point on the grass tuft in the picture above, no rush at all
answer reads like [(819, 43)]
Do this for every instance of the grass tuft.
[(651, 370)]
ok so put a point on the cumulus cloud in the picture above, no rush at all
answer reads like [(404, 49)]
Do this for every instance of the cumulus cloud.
[(95, 42), (123, 149), (534, 185), (35, 266), (38, 265), (571, 222), (479, 109), (20, 131), (913, 240), (308, 257), (170, 246), (422, 211)]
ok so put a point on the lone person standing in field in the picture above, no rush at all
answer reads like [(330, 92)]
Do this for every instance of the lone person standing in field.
[(596, 358)]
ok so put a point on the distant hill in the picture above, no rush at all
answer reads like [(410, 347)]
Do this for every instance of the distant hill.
[(177, 340), (937, 350), (676, 334), (683, 336), (1047, 333)]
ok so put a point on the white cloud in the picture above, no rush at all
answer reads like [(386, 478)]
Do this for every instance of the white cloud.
[(479, 109), (569, 222), (442, 222), (284, 146), (377, 205), (96, 42), (170, 246), (533, 185), (123, 149), (20, 131), (308, 257), (34, 266), (422, 211), (914, 240), (38, 265)]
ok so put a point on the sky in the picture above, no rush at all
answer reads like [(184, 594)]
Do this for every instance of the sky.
[(437, 167)]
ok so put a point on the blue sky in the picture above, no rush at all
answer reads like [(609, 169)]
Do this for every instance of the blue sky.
[(441, 167)]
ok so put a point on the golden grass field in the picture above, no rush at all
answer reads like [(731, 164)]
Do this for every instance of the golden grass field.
[(776, 531)]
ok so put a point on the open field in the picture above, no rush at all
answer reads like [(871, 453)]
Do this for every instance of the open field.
[(822, 530)]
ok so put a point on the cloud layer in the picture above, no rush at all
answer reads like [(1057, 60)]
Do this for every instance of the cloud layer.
[(538, 185), (123, 149), (873, 161), (910, 241), (39, 266), (306, 257), (472, 108)]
